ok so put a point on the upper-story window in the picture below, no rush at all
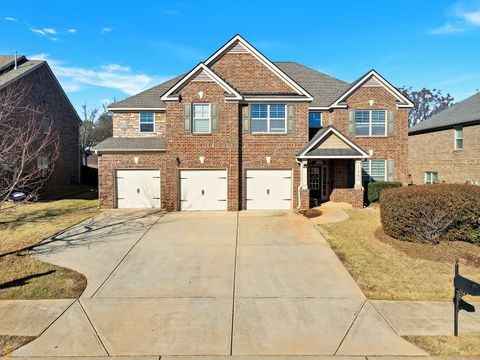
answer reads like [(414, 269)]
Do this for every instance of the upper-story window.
[(459, 138), (315, 119), (370, 122), (147, 122), (201, 118), (268, 118)]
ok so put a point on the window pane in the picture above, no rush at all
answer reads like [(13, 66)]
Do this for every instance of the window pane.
[(277, 125), (201, 125), (378, 170), (277, 111), (378, 122), (362, 122), (459, 144), (201, 118), (146, 127), (315, 119), (146, 117), (365, 171), (259, 125), (259, 111)]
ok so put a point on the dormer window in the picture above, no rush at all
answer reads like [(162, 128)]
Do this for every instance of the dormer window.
[(147, 122)]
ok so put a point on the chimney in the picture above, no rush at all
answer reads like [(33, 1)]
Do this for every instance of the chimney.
[(15, 67)]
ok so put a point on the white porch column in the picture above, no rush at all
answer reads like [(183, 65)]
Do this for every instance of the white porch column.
[(304, 179), (358, 174)]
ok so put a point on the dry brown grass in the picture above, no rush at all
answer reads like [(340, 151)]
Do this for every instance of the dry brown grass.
[(464, 345), (8, 343), (23, 226), (387, 272)]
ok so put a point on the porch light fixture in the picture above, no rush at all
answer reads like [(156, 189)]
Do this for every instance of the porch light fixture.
[(135, 159), (269, 159), (371, 102), (202, 159), (200, 94), (177, 161)]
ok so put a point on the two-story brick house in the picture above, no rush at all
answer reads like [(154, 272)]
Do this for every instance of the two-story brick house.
[(241, 132)]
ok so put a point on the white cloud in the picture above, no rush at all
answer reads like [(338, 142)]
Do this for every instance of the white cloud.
[(106, 30), (50, 31), (10, 18), (448, 28), (473, 18), (111, 76), (38, 32), (46, 32), (463, 17), (72, 31)]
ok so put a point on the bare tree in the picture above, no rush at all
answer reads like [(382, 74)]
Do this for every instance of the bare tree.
[(87, 130), (426, 103), (28, 143)]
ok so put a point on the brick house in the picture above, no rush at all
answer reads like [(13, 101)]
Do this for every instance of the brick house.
[(241, 132), (446, 147), (45, 93)]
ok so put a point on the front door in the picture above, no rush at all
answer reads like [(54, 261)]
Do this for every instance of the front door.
[(318, 182)]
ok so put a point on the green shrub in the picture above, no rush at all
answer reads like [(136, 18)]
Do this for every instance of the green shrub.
[(432, 213), (375, 188)]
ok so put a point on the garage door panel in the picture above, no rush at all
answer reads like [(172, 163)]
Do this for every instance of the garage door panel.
[(268, 189), (203, 190), (138, 189)]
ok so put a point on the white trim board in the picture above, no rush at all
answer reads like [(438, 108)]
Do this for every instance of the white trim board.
[(271, 66), (195, 71), (136, 109)]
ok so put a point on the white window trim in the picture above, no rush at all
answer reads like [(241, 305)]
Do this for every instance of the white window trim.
[(426, 177), (140, 122), (370, 168), (370, 123), (455, 138), (268, 121), (209, 122)]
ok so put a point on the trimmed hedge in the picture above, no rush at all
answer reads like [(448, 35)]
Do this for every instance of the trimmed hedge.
[(375, 188), (432, 213)]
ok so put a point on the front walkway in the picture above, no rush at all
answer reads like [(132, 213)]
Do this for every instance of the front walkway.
[(249, 283)]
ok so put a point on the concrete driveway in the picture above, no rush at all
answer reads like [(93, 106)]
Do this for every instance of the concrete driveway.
[(248, 283)]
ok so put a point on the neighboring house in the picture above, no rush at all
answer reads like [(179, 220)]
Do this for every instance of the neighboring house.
[(446, 147), (241, 132), (46, 94)]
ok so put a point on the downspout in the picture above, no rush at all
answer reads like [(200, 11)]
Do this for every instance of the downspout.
[(301, 183)]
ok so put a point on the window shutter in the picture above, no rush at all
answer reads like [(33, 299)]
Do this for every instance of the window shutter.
[(290, 118), (351, 122), (246, 118), (390, 170), (187, 117), (391, 122), (214, 115)]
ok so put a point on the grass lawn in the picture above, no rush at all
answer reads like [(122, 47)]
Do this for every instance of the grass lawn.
[(9, 343), (389, 269), (464, 345), (24, 277)]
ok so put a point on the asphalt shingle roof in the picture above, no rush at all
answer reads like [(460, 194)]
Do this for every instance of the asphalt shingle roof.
[(324, 89), (131, 144), (333, 152), (20, 71), (461, 113)]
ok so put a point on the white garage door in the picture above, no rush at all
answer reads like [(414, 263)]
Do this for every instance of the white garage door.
[(203, 190), (269, 189), (138, 189)]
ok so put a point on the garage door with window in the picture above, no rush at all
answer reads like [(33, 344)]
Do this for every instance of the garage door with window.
[(268, 189), (138, 189), (203, 190)]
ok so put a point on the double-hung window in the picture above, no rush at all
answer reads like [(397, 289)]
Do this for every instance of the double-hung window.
[(374, 170), (42, 162), (315, 119), (268, 118), (431, 177), (201, 118), (458, 138), (147, 122), (370, 122)]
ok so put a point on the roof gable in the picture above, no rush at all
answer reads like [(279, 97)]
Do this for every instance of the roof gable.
[(372, 78), (239, 45), (200, 73)]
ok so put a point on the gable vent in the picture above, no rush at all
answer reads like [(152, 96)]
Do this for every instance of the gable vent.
[(372, 82), (202, 76), (238, 48)]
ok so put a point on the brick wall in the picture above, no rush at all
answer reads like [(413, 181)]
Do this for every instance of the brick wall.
[(391, 147), (248, 75), (351, 196), (435, 151), (127, 124), (46, 96)]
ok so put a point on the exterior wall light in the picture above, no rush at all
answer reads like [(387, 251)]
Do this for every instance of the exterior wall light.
[(177, 161)]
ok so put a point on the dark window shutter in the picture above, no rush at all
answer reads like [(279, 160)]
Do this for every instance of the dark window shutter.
[(390, 170), (351, 122), (246, 118), (290, 118), (187, 117), (214, 116), (391, 122)]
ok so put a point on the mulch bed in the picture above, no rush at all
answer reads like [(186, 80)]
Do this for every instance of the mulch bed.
[(442, 252), (310, 213)]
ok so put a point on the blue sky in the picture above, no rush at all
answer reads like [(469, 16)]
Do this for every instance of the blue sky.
[(102, 50)]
